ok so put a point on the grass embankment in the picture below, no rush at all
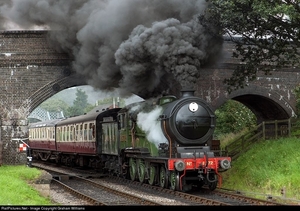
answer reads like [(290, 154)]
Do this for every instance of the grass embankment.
[(266, 168), (15, 187)]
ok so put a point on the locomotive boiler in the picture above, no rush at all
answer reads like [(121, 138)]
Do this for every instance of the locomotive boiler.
[(164, 142)]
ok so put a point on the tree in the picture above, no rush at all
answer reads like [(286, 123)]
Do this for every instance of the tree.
[(55, 105), (79, 104), (266, 34), (233, 117)]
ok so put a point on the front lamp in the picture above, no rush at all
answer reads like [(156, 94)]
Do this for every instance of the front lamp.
[(179, 165), (225, 164)]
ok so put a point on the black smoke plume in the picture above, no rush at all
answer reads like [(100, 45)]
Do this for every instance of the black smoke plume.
[(144, 47)]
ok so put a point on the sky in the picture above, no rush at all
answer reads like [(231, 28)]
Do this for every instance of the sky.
[(145, 47)]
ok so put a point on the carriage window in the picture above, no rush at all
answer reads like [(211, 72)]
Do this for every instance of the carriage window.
[(58, 134), (72, 131), (85, 132), (67, 133), (53, 133), (64, 133), (49, 133), (42, 132), (39, 136), (45, 133), (81, 132), (91, 131), (77, 133)]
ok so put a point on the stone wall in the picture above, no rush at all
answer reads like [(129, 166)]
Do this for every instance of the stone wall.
[(27, 64)]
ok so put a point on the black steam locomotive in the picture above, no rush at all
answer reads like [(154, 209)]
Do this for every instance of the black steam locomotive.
[(165, 142)]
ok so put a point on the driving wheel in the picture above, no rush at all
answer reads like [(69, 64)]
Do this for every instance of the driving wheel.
[(163, 179), (174, 180), (152, 175), (132, 169), (141, 171)]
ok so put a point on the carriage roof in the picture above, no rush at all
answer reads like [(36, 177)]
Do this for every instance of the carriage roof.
[(95, 115), (47, 123)]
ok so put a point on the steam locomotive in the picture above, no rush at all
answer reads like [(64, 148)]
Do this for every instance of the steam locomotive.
[(165, 142)]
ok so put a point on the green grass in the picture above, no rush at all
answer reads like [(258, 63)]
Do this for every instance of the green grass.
[(266, 168), (15, 188)]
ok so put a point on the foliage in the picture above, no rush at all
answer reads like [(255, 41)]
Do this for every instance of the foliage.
[(233, 117), (266, 34), (79, 104), (55, 105)]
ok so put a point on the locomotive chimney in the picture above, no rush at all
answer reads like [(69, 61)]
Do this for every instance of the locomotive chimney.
[(187, 92)]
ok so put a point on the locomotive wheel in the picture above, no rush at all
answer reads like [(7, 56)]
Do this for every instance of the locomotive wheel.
[(213, 185), (132, 169), (174, 180), (152, 176), (141, 171), (163, 179)]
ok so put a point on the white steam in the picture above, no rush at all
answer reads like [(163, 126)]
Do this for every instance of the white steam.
[(150, 124)]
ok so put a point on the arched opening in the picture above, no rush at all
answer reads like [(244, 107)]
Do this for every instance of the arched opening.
[(243, 112), (232, 119), (78, 100)]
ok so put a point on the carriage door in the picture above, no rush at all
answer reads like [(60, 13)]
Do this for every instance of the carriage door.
[(109, 138)]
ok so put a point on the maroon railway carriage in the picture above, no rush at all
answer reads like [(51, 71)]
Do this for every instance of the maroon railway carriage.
[(42, 138), (76, 140)]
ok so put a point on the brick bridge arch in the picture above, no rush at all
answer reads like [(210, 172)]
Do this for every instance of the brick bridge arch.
[(52, 88), (265, 104), (32, 71)]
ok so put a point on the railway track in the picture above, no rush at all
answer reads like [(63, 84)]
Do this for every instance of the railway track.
[(76, 183), (97, 194), (204, 197), (88, 184)]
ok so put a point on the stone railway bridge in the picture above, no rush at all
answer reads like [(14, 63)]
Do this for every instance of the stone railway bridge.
[(32, 71)]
